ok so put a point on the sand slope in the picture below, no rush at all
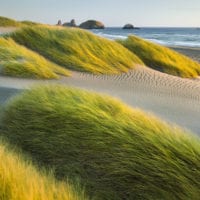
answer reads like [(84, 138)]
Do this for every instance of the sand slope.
[(173, 99)]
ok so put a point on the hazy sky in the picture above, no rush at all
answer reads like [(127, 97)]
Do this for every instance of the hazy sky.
[(183, 13)]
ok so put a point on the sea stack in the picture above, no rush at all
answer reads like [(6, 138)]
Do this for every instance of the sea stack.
[(128, 26), (92, 24), (59, 23), (72, 23)]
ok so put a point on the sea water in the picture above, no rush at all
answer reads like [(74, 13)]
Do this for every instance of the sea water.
[(187, 37)]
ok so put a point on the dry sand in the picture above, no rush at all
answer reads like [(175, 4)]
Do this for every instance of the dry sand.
[(173, 99)]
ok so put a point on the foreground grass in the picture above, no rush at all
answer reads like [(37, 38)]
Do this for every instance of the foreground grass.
[(19, 180), (18, 61), (6, 22), (77, 49), (118, 152), (162, 58)]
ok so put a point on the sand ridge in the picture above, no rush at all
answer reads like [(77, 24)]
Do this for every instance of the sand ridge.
[(174, 99)]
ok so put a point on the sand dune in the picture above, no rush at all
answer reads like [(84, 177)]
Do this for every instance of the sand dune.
[(173, 99)]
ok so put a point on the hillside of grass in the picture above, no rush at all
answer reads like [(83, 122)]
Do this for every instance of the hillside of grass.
[(18, 61), (162, 58), (116, 151), (7, 22), (20, 180), (77, 49)]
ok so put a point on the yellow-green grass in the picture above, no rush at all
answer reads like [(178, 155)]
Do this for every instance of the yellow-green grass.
[(116, 151), (7, 22), (77, 49), (162, 58), (30, 23), (18, 61), (20, 180)]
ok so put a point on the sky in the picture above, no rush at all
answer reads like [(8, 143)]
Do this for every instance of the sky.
[(165, 13)]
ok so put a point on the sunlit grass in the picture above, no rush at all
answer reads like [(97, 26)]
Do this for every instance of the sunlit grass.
[(162, 58), (20, 180), (18, 61), (29, 23), (118, 152), (77, 49)]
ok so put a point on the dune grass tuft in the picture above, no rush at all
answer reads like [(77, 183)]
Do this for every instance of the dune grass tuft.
[(118, 152), (77, 49), (20, 180), (162, 58), (7, 22), (18, 61), (30, 23)]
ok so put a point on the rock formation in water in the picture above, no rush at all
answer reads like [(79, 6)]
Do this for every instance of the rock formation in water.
[(92, 24)]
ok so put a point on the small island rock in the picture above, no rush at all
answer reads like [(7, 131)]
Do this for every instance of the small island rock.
[(59, 23), (92, 24), (72, 23), (128, 26)]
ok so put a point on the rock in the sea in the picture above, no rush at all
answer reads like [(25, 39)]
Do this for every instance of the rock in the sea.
[(92, 24), (59, 23), (72, 23), (128, 26)]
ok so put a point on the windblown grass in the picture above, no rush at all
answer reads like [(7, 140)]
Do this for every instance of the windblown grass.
[(19, 180), (77, 49), (30, 23), (6, 22), (18, 61), (162, 58), (118, 152)]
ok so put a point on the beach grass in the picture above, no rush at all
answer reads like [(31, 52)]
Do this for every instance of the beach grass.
[(18, 61), (162, 58), (29, 23), (21, 180), (77, 49), (7, 22), (116, 151)]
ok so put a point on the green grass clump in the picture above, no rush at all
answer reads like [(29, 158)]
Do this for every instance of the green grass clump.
[(162, 58), (116, 151), (18, 61), (6, 22), (77, 49), (29, 23), (20, 180)]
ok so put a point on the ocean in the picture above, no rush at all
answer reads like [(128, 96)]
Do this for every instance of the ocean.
[(186, 37)]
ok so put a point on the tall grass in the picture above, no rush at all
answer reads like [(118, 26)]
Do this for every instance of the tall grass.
[(18, 61), (162, 58), (77, 49), (30, 23), (118, 152), (6, 22), (19, 180)]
